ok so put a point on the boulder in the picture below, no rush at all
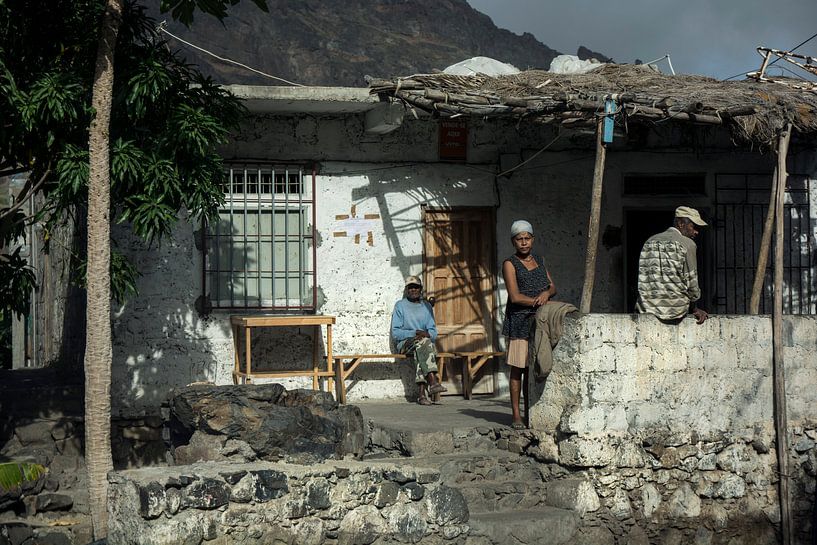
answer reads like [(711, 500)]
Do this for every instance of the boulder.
[(267, 421)]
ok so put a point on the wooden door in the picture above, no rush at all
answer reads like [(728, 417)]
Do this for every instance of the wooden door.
[(460, 275)]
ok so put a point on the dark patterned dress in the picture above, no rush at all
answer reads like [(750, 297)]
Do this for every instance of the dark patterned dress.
[(518, 318)]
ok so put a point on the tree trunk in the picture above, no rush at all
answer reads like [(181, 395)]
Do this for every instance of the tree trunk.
[(98, 350)]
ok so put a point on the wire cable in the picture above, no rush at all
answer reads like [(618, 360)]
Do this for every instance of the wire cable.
[(792, 50), (162, 28), (531, 158)]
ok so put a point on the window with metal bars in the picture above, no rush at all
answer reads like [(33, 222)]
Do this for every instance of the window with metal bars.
[(260, 253), (742, 201)]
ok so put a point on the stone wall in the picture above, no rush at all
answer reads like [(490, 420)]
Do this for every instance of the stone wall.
[(344, 502), (674, 424)]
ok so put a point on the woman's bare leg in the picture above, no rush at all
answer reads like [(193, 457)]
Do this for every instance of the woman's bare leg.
[(516, 390)]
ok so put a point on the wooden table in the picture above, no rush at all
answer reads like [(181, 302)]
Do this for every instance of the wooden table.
[(247, 322)]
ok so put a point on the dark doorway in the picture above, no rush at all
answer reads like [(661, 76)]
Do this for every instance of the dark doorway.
[(640, 225)]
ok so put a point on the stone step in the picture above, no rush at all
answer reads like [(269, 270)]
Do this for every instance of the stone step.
[(541, 526), (490, 496), (465, 468)]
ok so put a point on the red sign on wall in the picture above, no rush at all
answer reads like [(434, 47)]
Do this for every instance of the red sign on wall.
[(453, 139)]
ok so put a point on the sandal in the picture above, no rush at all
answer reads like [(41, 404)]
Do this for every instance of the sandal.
[(423, 401), (437, 388), (518, 425)]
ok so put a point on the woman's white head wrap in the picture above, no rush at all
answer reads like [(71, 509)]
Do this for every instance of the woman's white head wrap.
[(521, 226)]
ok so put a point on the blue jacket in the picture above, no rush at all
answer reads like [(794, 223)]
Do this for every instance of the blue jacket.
[(408, 317)]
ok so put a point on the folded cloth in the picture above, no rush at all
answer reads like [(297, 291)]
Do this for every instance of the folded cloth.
[(548, 327)]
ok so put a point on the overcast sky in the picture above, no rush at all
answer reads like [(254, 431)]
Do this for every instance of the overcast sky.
[(716, 38)]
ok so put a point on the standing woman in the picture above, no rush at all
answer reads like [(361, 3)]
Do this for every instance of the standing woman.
[(529, 286)]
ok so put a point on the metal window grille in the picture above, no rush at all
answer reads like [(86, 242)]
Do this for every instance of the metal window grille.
[(260, 253), (742, 201)]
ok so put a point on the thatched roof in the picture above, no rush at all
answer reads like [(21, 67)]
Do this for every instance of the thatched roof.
[(753, 111)]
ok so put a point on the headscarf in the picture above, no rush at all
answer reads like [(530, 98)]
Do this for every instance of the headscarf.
[(521, 226)]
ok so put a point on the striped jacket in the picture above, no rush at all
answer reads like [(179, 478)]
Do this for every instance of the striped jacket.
[(668, 275)]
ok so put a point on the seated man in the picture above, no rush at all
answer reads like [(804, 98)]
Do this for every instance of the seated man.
[(413, 331), (668, 271)]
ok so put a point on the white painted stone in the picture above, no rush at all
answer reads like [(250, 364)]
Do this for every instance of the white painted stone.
[(619, 505), (650, 499), (581, 452), (684, 503), (738, 458), (574, 494)]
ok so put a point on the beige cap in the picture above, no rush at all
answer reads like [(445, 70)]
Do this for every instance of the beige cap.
[(691, 214), (413, 280)]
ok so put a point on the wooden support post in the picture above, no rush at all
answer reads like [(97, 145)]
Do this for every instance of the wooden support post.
[(765, 243), (593, 228), (779, 376)]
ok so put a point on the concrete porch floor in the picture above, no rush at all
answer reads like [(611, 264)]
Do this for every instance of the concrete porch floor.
[(453, 413)]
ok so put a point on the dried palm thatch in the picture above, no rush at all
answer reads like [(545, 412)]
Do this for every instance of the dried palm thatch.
[(754, 112)]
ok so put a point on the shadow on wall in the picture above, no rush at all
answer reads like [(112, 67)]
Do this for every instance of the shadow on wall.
[(159, 339)]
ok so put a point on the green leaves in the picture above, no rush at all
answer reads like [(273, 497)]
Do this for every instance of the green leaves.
[(196, 130), (15, 474), (53, 99), (152, 79), (166, 122), (18, 281), (123, 276), (127, 162)]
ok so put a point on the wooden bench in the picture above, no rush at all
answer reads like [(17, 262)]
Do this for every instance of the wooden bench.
[(472, 362), (345, 365)]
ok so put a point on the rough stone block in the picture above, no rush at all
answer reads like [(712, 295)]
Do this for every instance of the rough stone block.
[(151, 500), (738, 458), (598, 360), (574, 494), (754, 356), (629, 454), (619, 505), (719, 484), (669, 358), (206, 494), (54, 502), (269, 484), (684, 503), (414, 491), (35, 433), (632, 359), (607, 388), (586, 452), (361, 526), (317, 493), (407, 521), (650, 499), (655, 334), (446, 505)]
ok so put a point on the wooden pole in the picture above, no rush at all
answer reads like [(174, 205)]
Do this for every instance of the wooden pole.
[(779, 377), (765, 243), (595, 214)]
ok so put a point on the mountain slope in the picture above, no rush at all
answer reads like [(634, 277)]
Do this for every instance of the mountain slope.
[(337, 42)]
